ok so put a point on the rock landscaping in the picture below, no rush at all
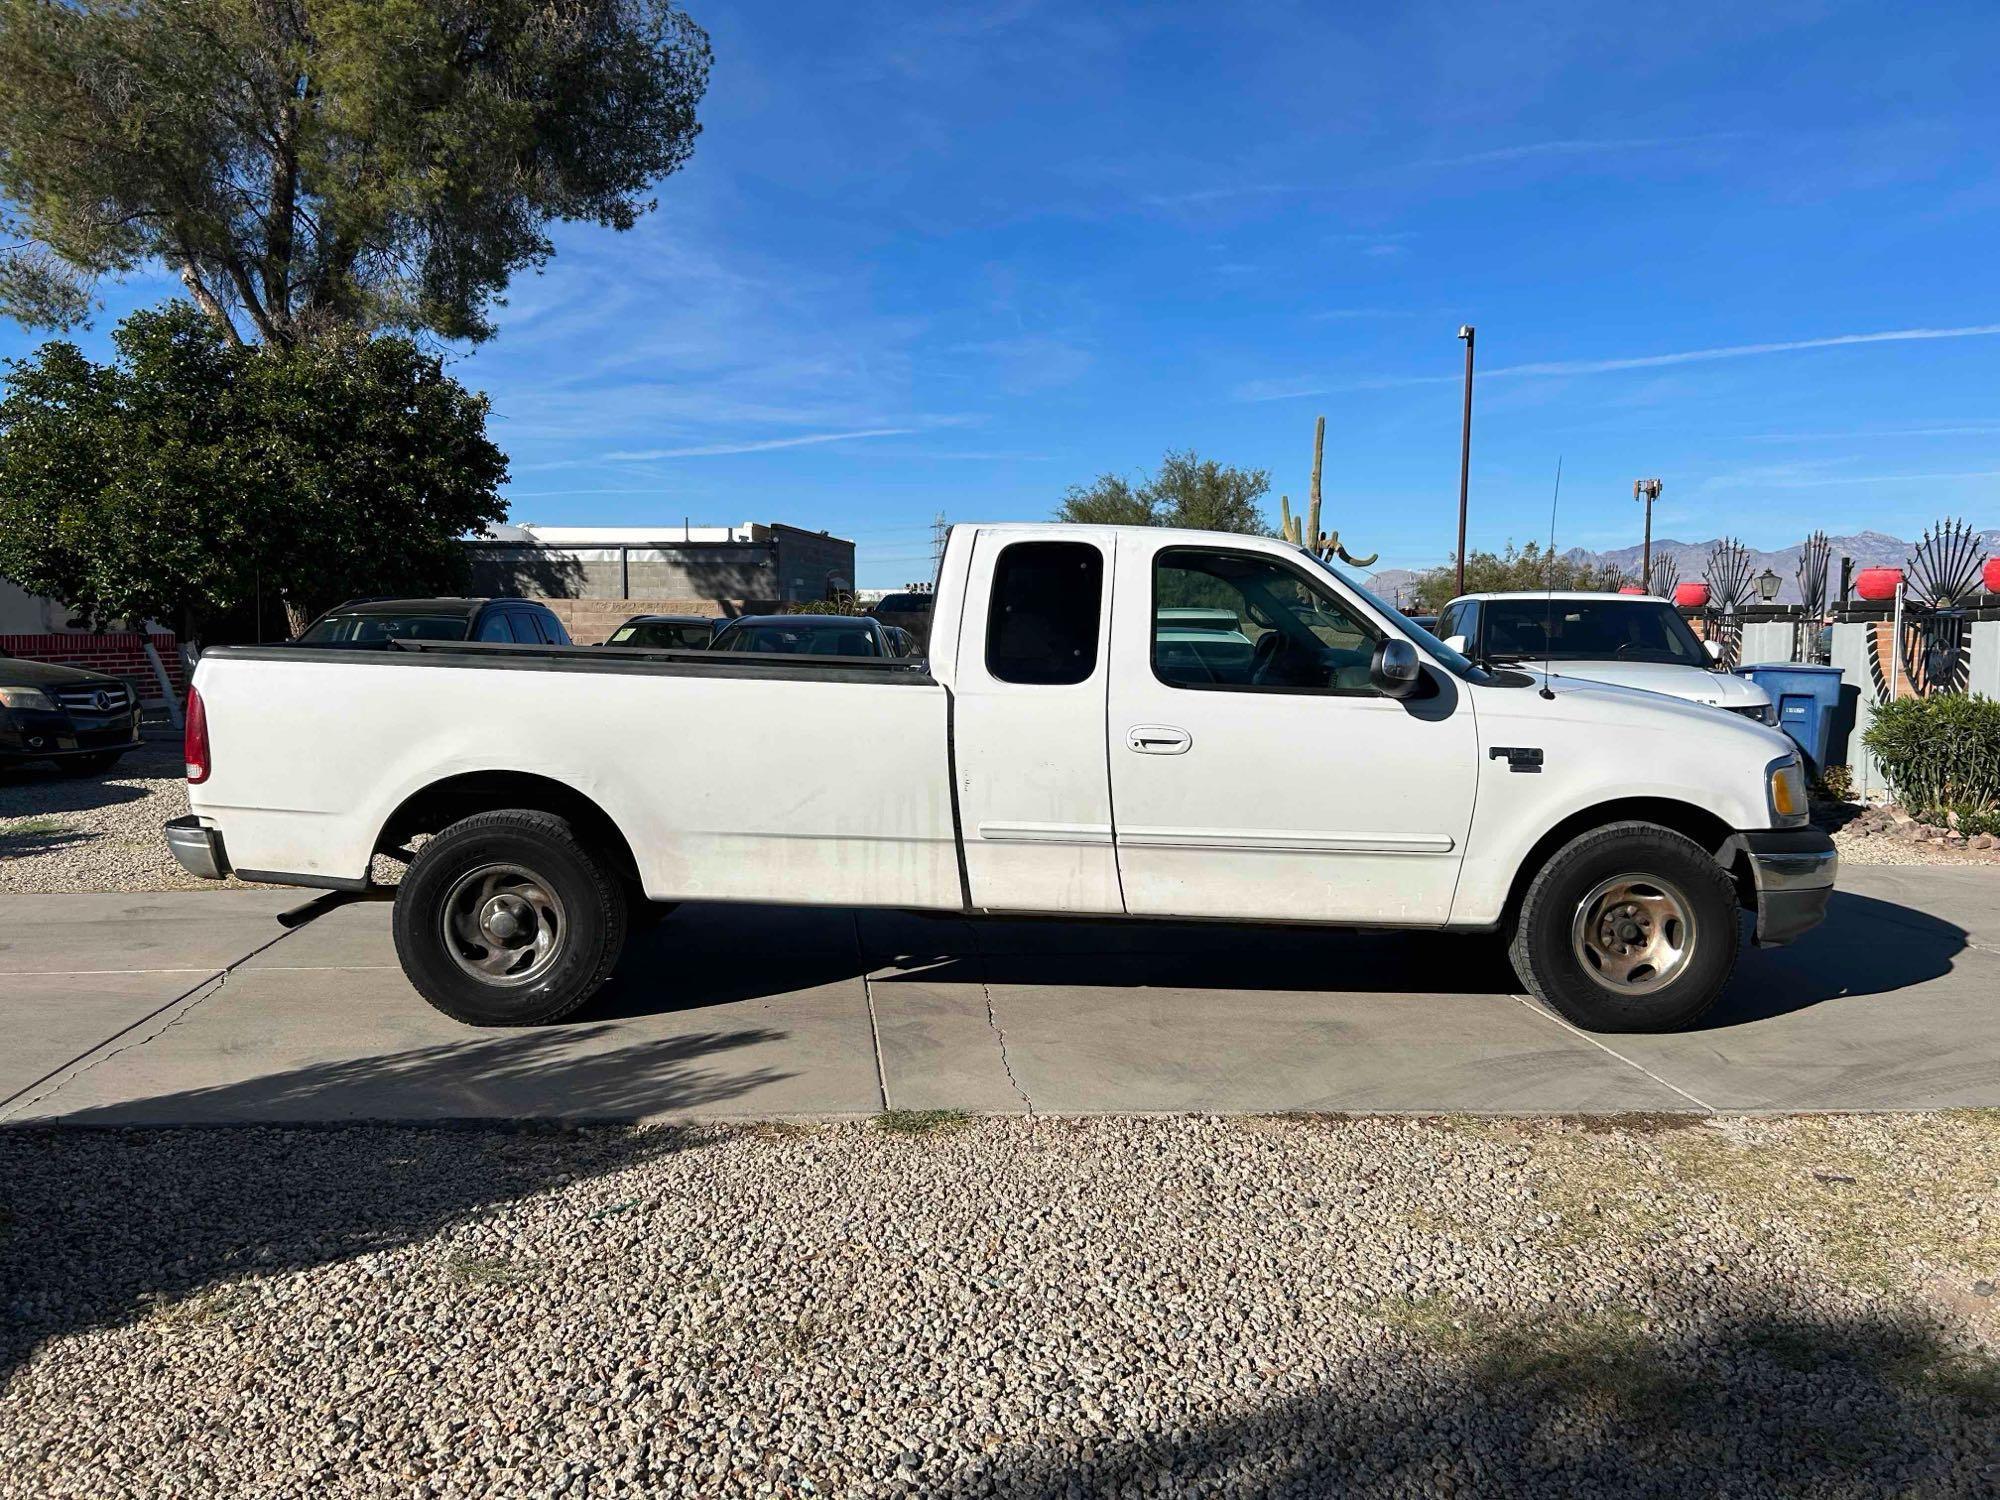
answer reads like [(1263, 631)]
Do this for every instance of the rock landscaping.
[(1885, 833), (1294, 1306)]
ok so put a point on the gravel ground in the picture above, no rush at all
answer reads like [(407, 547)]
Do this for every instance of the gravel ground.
[(1044, 1308)]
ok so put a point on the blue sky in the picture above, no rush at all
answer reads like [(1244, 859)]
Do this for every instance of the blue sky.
[(957, 258)]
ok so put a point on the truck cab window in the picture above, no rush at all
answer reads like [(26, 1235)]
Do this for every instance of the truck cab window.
[(1239, 620), (1042, 626)]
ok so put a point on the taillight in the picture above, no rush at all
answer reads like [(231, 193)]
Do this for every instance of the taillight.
[(195, 741)]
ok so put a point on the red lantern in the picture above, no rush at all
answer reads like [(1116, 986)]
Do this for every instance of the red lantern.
[(1691, 595), (1877, 584), (1992, 575), (1631, 588)]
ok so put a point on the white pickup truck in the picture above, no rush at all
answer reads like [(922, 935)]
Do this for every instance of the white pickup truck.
[(1111, 722)]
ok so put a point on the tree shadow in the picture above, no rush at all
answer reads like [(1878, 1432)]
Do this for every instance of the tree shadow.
[(102, 1226), (18, 843), (26, 791), (1865, 946), (1754, 1403), (523, 569)]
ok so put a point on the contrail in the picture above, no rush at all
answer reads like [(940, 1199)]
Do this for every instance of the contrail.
[(1640, 361), (708, 450)]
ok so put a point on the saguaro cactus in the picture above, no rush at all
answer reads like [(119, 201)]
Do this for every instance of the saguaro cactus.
[(1308, 534)]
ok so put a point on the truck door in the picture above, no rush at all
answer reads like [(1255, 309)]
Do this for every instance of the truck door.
[(1255, 773), (1028, 723)]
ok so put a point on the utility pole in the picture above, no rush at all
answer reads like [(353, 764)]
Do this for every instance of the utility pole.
[(1464, 455), (1649, 491), (940, 529)]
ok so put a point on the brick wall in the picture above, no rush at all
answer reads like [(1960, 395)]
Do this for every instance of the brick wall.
[(589, 621), (122, 655)]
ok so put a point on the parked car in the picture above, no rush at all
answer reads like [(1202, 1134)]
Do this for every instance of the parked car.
[(361, 623), (83, 721), (666, 632), (813, 635), (1633, 640), (1051, 756), (909, 611)]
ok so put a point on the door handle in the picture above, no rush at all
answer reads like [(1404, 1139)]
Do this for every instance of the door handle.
[(1158, 739)]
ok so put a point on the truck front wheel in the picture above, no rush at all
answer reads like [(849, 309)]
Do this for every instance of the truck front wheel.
[(508, 919), (1629, 927)]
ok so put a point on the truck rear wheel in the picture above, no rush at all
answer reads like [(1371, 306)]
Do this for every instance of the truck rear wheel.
[(1629, 927), (508, 919)]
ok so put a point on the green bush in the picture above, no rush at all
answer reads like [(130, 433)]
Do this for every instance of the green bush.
[(1940, 751)]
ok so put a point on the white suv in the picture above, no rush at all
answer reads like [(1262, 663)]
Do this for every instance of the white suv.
[(1632, 640)]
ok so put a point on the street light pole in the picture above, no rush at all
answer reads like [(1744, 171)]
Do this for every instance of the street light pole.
[(1649, 491), (1464, 455)]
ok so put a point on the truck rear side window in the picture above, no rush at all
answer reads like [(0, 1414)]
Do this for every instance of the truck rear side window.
[(1042, 627)]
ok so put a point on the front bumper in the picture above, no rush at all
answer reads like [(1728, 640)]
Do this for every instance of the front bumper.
[(1791, 871), (39, 734), (198, 848)]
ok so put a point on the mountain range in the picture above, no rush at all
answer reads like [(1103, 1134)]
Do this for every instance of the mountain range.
[(1868, 549)]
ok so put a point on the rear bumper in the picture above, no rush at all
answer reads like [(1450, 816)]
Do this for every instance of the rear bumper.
[(197, 848), (1792, 871)]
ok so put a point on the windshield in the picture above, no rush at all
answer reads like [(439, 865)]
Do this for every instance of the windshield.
[(347, 630), (1610, 629), (832, 638), (1461, 666), (669, 635)]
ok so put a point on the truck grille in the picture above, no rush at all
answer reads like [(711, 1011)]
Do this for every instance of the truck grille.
[(92, 698)]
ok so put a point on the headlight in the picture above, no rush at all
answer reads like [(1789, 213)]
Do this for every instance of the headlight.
[(1785, 784), (25, 697)]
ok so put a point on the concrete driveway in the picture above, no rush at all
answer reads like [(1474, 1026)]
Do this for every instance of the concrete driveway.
[(198, 1007)]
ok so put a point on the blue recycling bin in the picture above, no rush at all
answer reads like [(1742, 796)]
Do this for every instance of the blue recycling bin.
[(1807, 699)]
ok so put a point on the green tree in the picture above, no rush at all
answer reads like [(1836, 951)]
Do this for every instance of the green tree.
[(1515, 570), (1187, 491), (179, 480), (313, 167)]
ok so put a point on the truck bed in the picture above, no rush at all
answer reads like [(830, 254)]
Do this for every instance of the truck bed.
[(733, 776)]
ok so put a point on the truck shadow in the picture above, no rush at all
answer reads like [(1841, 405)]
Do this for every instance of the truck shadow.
[(1865, 946), (708, 955), (107, 1226)]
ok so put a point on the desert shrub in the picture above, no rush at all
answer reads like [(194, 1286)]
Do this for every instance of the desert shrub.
[(1939, 751), (1836, 784)]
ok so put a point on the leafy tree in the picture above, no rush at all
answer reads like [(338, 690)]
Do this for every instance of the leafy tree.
[(1187, 491), (1516, 569), (313, 167), (188, 474)]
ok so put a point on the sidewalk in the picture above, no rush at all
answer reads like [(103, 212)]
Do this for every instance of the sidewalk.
[(197, 1007)]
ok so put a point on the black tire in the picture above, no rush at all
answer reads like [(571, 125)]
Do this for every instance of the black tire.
[(91, 765), (1570, 962), (569, 910)]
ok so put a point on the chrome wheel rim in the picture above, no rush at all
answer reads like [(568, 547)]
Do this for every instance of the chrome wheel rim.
[(503, 925), (1633, 934)]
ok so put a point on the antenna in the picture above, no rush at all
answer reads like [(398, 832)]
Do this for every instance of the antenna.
[(1549, 599)]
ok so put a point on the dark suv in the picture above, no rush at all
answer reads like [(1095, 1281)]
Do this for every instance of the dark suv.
[(81, 720), (361, 623)]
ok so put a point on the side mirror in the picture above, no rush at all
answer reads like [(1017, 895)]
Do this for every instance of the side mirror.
[(1714, 649), (1457, 643), (1395, 671)]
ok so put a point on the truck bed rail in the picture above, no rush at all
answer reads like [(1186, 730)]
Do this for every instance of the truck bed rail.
[(618, 660)]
